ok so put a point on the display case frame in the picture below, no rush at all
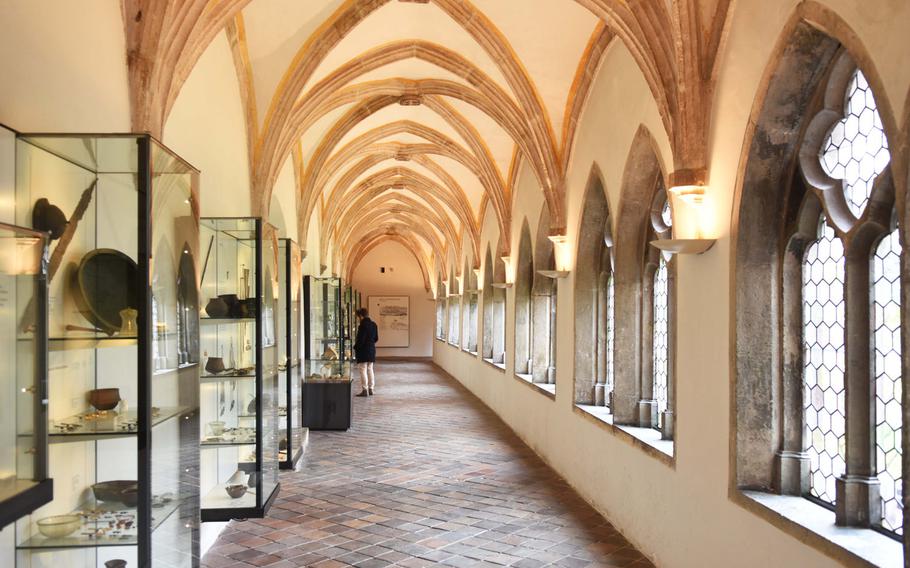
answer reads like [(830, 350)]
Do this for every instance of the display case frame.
[(134, 200), (327, 394), (322, 317), (289, 337), (23, 263), (250, 239)]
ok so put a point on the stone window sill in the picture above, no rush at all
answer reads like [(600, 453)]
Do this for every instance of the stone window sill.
[(803, 518), (647, 438), (545, 388), (499, 366)]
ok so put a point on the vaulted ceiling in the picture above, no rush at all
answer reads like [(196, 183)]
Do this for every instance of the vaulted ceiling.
[(406, 119)]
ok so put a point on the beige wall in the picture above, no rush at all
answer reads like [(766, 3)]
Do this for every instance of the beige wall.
[(405, 279), (682, 515)]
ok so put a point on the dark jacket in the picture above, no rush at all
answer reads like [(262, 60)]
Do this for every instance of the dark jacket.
[(365, 345)]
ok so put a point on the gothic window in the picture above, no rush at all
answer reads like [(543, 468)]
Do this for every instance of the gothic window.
[(824, 400), (524, 283), (659, 278)]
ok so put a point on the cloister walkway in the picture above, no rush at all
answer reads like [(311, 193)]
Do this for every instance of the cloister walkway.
[(427, 476)]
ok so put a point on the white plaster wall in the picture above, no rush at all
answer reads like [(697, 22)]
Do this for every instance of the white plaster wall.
[(63, 66), (283, 209), (679, 515), (206, 127), (405, 279)]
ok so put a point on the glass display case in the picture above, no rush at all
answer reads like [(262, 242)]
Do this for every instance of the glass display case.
[(123, 350), (322, 318), (326, 394), (239, 390), (290, 297), (24, 484)]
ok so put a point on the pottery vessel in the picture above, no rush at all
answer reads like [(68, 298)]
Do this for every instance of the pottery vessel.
[(214, 365), (249, 307), (217, 427), (233, 304), (116, 563), (128, 326), (217, 308), (235, 491), (59, 526), (104, 399)]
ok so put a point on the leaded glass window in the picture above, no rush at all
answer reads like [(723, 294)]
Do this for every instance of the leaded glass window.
[(611, 332), (824, 403), (856, 150), (661, 333), (886, 282)]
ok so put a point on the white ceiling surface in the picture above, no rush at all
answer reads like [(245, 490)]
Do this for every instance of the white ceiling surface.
[(548, 37)]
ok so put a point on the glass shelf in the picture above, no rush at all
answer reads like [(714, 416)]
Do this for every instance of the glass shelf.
[(99, 342), (98, 518), (87, 427), (225, 321)]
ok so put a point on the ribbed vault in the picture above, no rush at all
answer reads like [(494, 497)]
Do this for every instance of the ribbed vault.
[(405, 119)]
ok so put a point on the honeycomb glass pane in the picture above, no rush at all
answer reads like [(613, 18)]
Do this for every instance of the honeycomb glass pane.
[(661, 337), (823, 355), (856, 150), (611, 332), (887, 321)]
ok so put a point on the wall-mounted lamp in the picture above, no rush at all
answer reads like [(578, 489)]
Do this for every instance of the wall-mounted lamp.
[(507, 261), (687, 192), (562, 256), (555, 274)]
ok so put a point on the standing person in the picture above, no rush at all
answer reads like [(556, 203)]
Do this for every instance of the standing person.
[(365, 351)]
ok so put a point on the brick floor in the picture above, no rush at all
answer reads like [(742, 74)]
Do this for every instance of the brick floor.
[(427, 476)]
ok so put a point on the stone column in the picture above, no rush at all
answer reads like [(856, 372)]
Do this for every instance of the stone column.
[(858, 502), (791, 462)]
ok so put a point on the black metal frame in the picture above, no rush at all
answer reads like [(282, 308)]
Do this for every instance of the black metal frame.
[(262, 507), (308, 323), (25, 502), (144, 330), (292, 368)]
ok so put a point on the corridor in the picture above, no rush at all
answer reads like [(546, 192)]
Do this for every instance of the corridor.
[(426, 476)]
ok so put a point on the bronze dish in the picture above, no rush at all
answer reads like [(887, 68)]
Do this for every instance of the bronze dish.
[(105, 283), (113, 490)]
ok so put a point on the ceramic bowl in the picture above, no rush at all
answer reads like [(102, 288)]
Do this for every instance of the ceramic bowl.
[(236, 491), (113, 490), (130, 496), (104, 399), (59, 526)]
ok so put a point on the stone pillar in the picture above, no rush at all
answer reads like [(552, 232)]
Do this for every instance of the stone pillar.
[(858, 502), (791, 462)]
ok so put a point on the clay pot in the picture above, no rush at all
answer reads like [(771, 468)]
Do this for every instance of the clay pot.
[(128, 326), (116, 563), (217, 308), (233, 304), (214, 365), (104, 399), (249, 307)]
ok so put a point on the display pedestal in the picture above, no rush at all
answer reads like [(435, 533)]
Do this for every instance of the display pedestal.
[(327, 404)]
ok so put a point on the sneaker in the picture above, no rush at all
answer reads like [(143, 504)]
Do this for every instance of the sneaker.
[(363, 393), (371, 392)]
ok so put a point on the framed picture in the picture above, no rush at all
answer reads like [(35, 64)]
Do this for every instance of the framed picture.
[(392, 315)]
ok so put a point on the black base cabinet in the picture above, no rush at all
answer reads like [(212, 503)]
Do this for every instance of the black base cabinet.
[(327, 403)]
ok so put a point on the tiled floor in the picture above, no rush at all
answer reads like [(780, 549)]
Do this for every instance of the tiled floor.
[(427, 476)]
